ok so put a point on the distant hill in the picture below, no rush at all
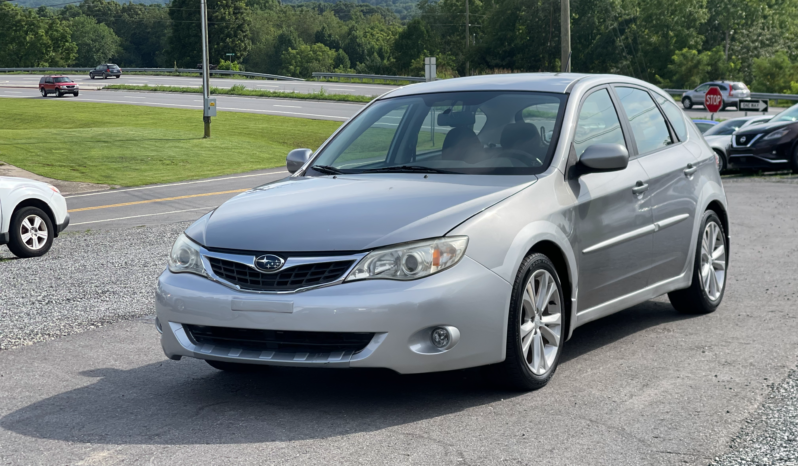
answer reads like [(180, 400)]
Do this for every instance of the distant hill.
[(403, 8)]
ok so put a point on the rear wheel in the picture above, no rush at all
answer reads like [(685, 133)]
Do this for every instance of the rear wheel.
[(31, 232), (709, 270), (43, 91), (687, 103), (234, 366), (536, 327), (105, 76)]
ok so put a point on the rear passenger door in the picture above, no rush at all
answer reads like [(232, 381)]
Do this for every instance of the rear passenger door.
[(671, 170), (613, 212), (48, 84)]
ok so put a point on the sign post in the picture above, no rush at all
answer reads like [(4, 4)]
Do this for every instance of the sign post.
[(713, 101), (208, 109), (430, 68)]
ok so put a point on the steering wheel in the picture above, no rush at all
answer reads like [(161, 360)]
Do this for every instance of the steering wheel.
[(527, 159)]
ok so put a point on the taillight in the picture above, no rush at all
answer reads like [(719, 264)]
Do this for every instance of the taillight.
[(730, 90)]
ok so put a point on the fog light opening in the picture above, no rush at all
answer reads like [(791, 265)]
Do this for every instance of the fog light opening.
[(441, 337)]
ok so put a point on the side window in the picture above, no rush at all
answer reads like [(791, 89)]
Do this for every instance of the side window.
[(648, 124), (101, 67), (598, 123), (722, 87), (702, 88), (48, 80), (675, 116), (374, 143)]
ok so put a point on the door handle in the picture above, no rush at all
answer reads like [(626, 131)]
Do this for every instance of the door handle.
[(690, 169), (640, 188)]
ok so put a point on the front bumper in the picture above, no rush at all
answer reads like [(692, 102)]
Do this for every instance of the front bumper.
[(468, 297), (771, 156)]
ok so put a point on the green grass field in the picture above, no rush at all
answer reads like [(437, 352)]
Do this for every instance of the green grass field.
[(129, 145), (240, 89)]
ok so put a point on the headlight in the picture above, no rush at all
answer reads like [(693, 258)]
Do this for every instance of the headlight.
[(185, 257), (776, 134), (410, 261)]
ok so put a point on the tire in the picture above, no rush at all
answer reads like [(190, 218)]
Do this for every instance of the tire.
[(76, 94), (703, 295), (26, 243), (547, 327), (91, 75), (234, 366), (105, 76), (59, 94), (117, 77), (794, 160), (687, 103), (723, 106), (43, 91), (723, 165)]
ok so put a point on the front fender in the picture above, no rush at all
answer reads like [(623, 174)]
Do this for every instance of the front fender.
[(21, 193)]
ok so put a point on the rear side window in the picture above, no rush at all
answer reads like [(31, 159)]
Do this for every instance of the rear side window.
[(41, 81), (648, 124), (598, 123), (722, 87), (739, 87), (48, 80), (675, 116)]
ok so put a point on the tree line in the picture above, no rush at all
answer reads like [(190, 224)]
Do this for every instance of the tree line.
[(671, 43)]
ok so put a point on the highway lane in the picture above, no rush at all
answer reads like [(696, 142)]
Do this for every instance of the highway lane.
[(224, 83), (317, 110), (160, 204)]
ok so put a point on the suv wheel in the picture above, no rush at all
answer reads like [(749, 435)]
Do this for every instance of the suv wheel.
[(536, 327), (31, 232), (105, 76), (91, 75), (687, 103), (59, 94), (44, 92), (722, 164), (709, 270)]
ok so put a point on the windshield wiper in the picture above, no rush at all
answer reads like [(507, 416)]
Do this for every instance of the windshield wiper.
[(326, 169), (406, 168)]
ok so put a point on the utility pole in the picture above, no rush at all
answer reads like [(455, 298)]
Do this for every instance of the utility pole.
[(468, 35), (206, 90), (565, 35)]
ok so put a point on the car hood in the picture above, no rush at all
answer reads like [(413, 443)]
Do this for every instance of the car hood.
[(763, 128), (350, 212)]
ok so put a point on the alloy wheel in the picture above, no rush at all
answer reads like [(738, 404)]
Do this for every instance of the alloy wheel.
[(713, 261), (33, 232), (541, 322)]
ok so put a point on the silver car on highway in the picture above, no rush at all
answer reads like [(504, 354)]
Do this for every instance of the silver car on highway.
[(453, 224)]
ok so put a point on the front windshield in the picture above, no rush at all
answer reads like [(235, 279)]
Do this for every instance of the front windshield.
[(496, 133), (726, 128), (791, 114), (63, 80)]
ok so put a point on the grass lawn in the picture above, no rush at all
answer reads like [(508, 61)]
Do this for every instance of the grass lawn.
[(129, 145), (240, 89)]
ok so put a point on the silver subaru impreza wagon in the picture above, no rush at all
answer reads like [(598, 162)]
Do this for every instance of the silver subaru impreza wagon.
[(453, 224)]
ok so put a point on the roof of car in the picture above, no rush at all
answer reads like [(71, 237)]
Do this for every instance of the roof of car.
[(541, 82)]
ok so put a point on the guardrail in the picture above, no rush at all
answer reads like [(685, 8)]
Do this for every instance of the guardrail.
[(370, 76), (754, 95), (158, 70)]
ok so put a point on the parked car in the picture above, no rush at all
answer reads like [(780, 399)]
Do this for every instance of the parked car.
[(720, 136), (107, 70), (732, 92), (32, 213), (58, 85), (211, 66), (704, 125), (457, 223), (773, 145)]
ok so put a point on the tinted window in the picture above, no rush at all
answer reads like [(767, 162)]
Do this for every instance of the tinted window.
[(791, 114), (101, 67), (675, 116), (598, 123), (494, 133), (722, 87), (648, 124), (726, 128), (739, 87), (63, 80), (48, 80)]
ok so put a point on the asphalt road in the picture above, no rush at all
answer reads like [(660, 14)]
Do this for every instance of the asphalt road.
[(160, 204), (317, 110), (645, 386), (224, 83)]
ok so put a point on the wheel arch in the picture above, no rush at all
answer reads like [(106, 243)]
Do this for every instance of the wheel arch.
[(558, 257), (40, 204), (717, 207)]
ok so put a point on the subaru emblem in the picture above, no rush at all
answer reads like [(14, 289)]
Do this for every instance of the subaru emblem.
[(269, 262)]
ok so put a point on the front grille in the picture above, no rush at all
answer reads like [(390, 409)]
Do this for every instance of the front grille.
[(278, 340), (738, 139), (290, 279)]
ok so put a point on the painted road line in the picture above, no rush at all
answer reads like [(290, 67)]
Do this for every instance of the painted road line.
[(134, 97), (287, 106), (164, 199), (138, 216), (113, 191)]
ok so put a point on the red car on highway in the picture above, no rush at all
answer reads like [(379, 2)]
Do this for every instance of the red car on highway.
[(58, 85)]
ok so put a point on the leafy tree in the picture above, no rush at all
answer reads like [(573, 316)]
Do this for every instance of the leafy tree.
[(228, 31), (412, 42), (325, 36), (774, 74), (688, 70), (341, 62), (96, 43), (303, 61), (28, 40), (287, 40)]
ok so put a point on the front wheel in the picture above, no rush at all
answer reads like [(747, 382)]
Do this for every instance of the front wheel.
[(59, 94), (76, 94), (709, 270), (536, 327), (687, 103), (91, 76), (31, 233), (794, 160)]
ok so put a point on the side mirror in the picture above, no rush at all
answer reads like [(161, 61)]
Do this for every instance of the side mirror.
[(603, 158), (296, 158)]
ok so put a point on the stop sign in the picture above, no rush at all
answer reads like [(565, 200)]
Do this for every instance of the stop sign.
[(713, 100)]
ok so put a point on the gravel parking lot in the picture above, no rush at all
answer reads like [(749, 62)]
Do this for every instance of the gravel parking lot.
[(645, 386)]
